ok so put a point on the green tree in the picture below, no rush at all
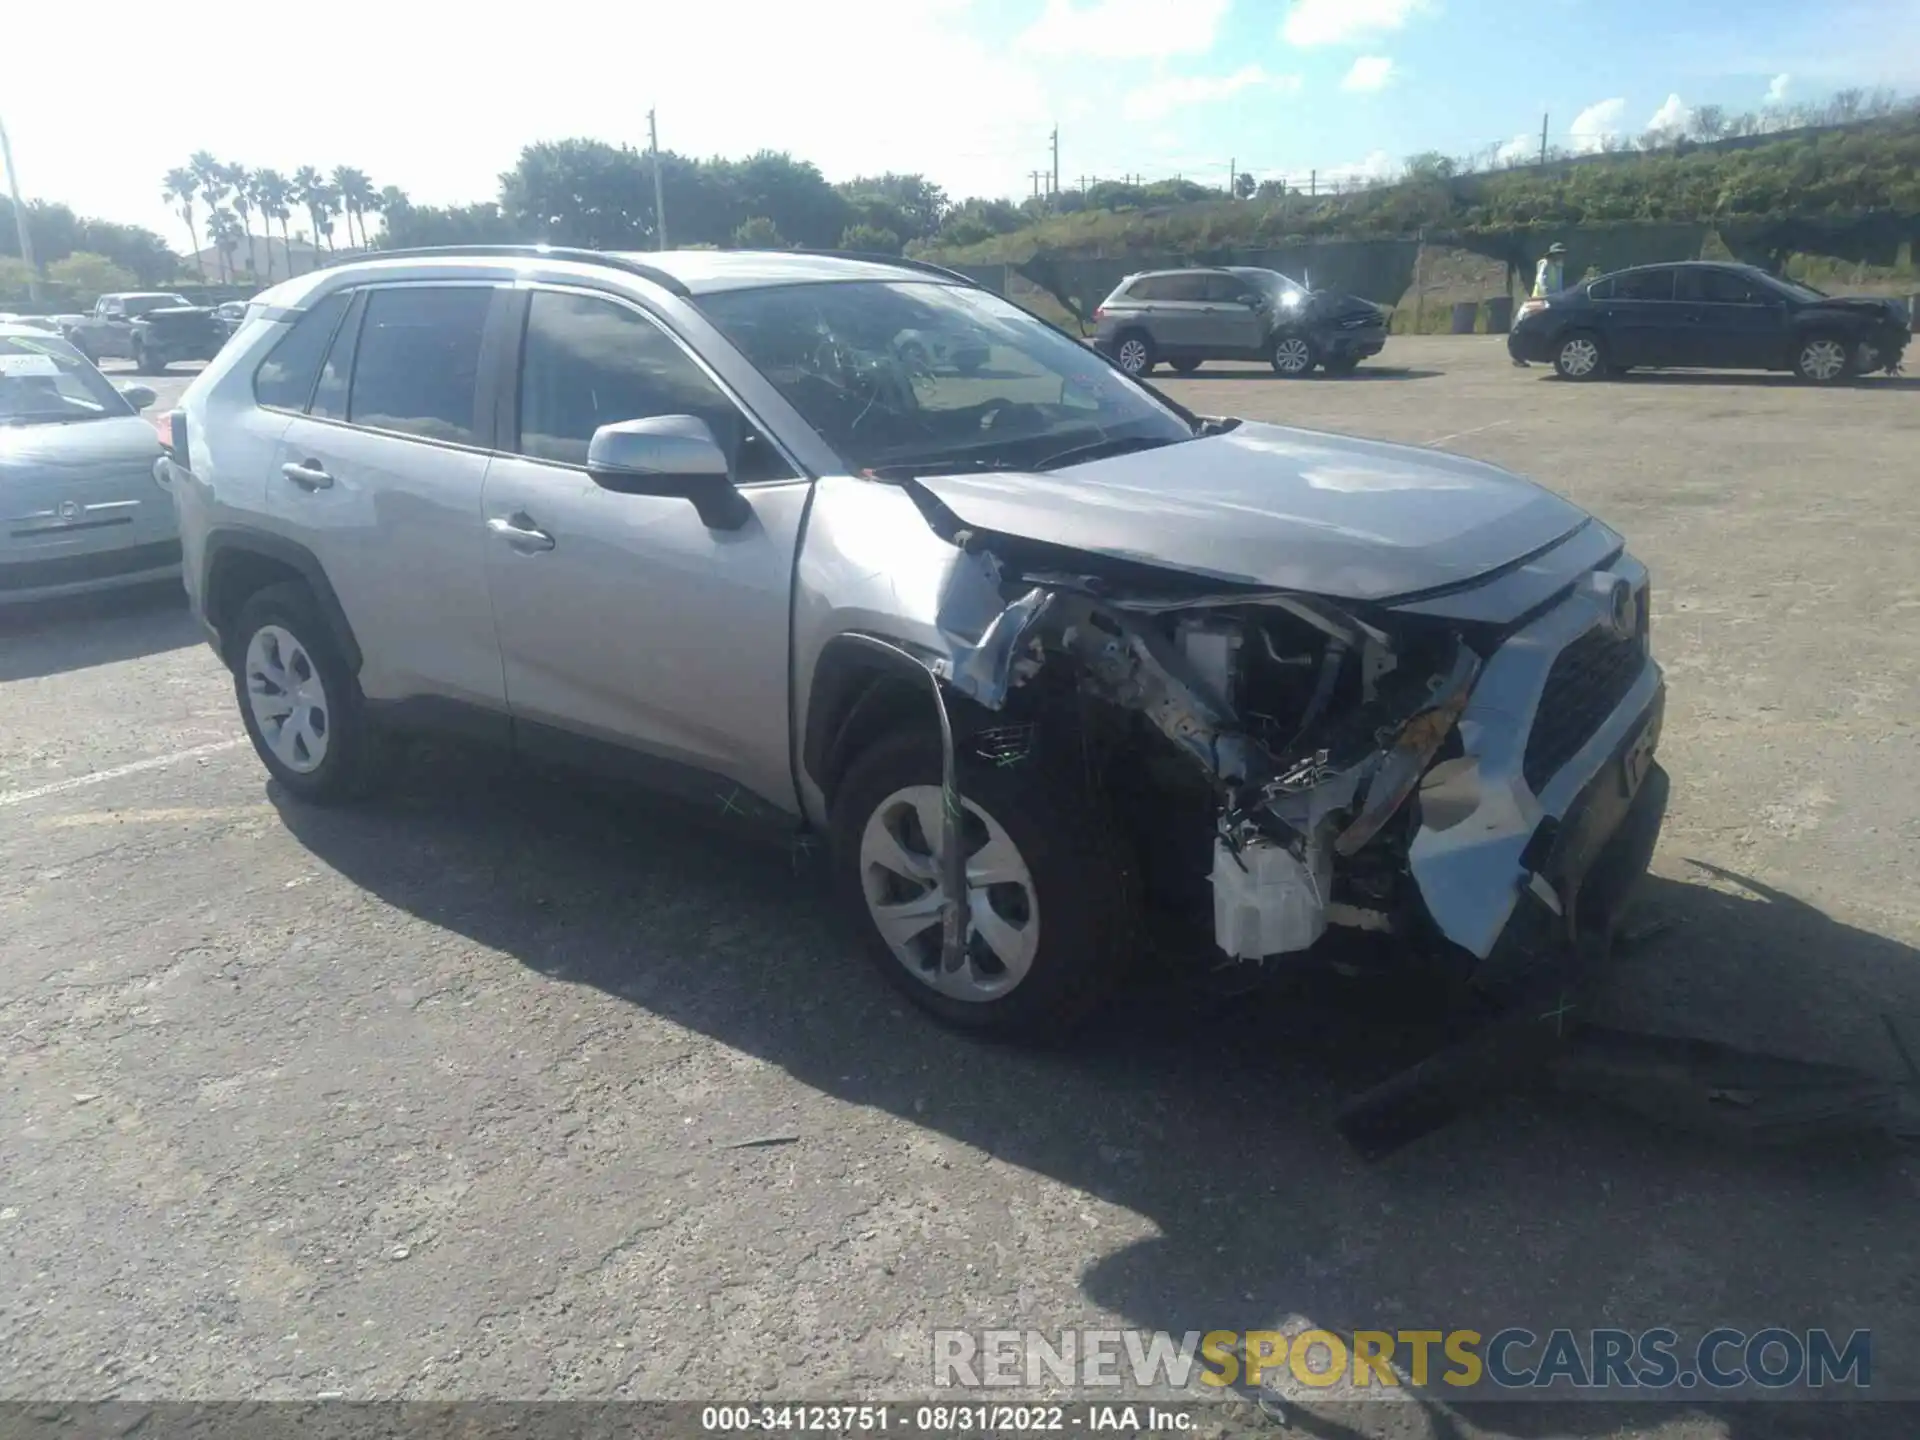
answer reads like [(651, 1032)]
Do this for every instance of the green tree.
[(240, 197), (355, 193), (758, 233), (912, 206), (584, 192), (224, 228), (870, 240), (178, 188), (1244, 186), (16, 278), (310, 191), (273, 193), (91, 276), (210, 176)]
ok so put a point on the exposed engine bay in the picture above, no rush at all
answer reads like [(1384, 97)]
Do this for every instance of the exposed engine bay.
[(1294, 730)]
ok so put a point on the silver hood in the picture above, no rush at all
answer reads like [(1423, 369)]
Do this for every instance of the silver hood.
[(117, 443), (1279, 508)]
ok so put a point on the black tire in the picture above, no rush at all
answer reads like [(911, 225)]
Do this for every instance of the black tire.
[(1186, 365), (1084, 885), (351, 763), (1137, 362), (1293, 356), (1581, 355), (145, 364), (1811, 353)]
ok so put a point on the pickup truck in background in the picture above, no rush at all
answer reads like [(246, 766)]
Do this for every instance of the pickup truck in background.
[(152, 329)]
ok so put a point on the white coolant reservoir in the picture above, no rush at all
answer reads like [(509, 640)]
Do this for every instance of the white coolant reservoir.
[(1267, 900)]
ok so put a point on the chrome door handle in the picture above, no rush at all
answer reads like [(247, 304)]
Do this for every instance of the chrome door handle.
[(519, 531), (307, 474)]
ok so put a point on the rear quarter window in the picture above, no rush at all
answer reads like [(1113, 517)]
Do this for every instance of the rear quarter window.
[(285, 378)]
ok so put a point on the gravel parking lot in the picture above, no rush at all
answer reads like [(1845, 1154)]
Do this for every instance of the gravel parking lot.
[(503, 1087)]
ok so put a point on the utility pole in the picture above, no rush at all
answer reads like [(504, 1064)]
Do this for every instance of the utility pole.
[(1056, 159), (1313, 184), (20, 217), (659, 190), (1543, 138), (1233, 178)]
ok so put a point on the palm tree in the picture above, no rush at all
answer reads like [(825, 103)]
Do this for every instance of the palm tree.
[(325, 204), (178, 189), (271, 192), (309, 188), (391, 205), (240, 182), (225, 228), (211, 177), (355, 191)]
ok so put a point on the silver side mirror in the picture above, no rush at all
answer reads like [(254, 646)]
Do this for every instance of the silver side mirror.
[(669, 455)]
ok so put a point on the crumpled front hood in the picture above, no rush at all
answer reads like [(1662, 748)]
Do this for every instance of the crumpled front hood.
[(1279, 508)]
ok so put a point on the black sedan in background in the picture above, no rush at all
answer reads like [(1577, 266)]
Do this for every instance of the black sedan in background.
[(1700, 315)]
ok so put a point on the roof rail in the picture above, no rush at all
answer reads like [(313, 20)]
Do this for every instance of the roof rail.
[(925, 267), (671, 284)]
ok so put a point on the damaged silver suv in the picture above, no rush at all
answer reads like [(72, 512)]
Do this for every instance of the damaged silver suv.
[(1041, 653)]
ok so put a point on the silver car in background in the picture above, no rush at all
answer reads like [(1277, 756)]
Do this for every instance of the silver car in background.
[(80, 505)]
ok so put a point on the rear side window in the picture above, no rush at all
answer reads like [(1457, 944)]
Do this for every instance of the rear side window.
[(285, 378), (1225, 287), (1643, 285), (416, 367), (330, 395), (1186, 287), (1154, 287)]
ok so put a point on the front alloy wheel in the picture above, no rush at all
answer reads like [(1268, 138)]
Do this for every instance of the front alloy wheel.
[(1292, 356), (1579, 358), (900, 876), (1822, 359), (1134, 355)]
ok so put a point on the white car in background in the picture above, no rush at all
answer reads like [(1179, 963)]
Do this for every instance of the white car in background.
[(82, 503)]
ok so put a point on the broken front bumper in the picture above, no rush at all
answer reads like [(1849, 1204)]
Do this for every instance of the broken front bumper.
[(1522, 818)]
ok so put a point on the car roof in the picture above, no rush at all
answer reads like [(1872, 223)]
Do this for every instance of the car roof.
[(142, 295), (689, 272)]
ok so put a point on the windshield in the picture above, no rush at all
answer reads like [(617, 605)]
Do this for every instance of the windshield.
[(918, 377), (141, 304), (1275, 285), (44, 381)]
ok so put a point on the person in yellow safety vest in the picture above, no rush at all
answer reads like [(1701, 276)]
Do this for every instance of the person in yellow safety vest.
[(1549, 278)]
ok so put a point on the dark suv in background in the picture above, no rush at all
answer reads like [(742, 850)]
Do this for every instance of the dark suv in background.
[(1235, 312)]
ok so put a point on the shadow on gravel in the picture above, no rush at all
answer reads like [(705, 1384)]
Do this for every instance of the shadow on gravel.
[(1741, 379), (1213, 1120), (51, 637)]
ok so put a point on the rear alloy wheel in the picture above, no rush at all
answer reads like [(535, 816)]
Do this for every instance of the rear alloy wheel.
[(1293, 356), (1579, 357), (1822, 360), (299, 699), (1134, 354)]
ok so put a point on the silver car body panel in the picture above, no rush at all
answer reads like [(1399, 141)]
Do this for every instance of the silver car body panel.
[(1478, 812), (82, 492), (1280, 508), (622, 638)]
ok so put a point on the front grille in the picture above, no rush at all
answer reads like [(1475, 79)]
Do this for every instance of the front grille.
[(1588, 680), (100, 565)]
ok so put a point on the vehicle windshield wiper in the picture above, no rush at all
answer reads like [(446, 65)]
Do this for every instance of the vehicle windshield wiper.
[(1101, 450)]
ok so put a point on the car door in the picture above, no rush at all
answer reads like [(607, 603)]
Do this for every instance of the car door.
[(1642, 322), (1181, 316), (112, 337), (1233, 325), (1736, 323), (381, 479), (631, 631)]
